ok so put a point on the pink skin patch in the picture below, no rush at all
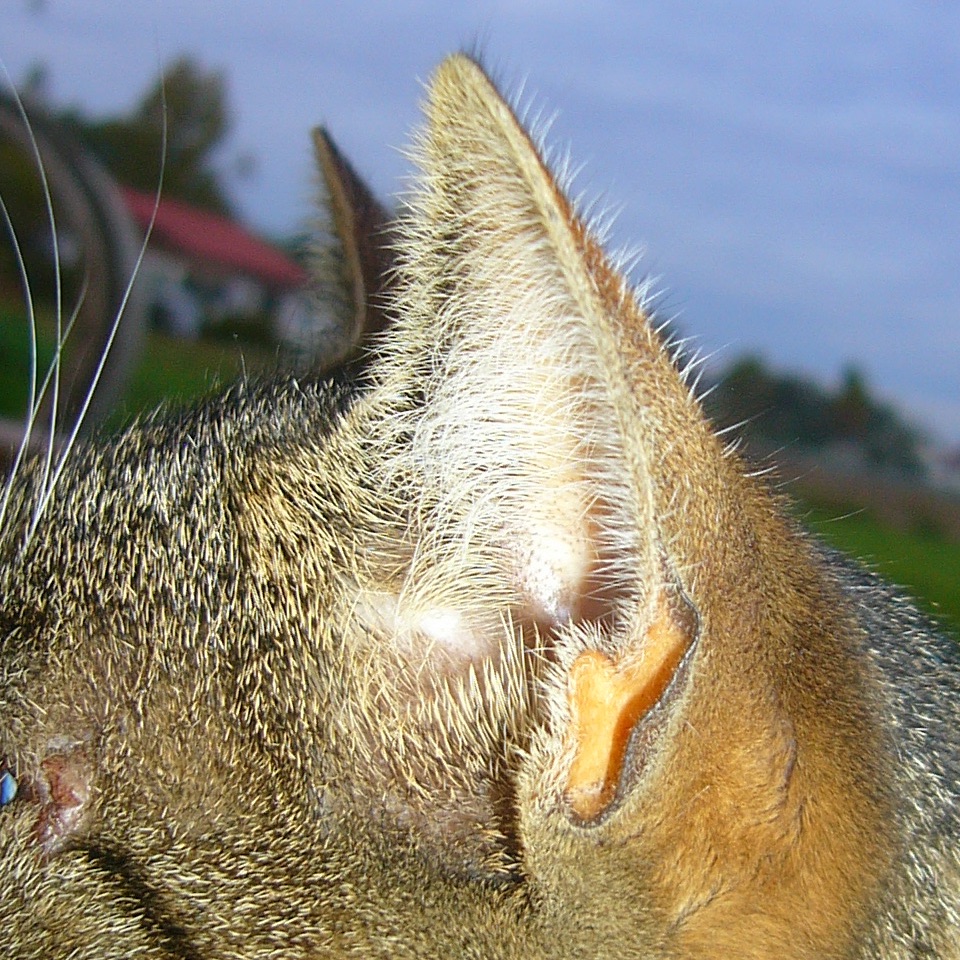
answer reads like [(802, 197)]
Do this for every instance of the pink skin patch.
[(63, 791)]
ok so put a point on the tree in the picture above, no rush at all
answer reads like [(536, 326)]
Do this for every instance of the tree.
[(194, 103), (784, 410), (852, 406)]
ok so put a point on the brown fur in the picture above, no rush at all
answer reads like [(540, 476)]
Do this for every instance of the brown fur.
[(290, 676)]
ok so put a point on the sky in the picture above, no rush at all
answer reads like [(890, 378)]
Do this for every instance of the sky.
[(790, 173)]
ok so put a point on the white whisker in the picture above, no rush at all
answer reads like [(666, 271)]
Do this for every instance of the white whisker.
[(32, 389), (56, 451), (54, 368), (48, 488), (104, 354)]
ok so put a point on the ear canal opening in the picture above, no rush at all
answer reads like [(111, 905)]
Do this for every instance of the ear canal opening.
[(611, 698)]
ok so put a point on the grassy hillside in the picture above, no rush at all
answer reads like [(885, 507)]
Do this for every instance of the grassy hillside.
[(925, 564), (169, 370)]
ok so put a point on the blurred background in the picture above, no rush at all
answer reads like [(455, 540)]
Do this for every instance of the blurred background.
[(787, 176)]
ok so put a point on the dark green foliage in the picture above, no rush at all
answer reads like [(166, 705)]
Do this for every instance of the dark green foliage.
[(778, 411), (193, 104)]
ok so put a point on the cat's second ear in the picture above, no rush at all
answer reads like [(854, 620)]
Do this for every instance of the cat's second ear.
[(352, 265)]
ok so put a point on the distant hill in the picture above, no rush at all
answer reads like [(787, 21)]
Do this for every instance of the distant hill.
[(783, 412)]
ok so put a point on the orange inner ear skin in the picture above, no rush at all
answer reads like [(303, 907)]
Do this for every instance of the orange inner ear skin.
[(607, 699)]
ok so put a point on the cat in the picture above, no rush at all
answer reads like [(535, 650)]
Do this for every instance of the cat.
[(482, 645)]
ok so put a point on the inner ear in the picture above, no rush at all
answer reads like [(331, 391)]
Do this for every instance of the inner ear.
[(507, 408), (567, 566), (611, 697)]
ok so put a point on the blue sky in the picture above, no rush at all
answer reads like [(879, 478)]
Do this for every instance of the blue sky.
[(791, 173)]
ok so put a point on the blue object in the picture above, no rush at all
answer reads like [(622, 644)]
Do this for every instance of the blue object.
[(8, 787)]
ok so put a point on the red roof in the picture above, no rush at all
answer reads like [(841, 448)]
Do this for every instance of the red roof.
[(210, 237)]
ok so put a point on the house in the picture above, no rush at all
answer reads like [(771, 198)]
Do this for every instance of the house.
[(203, 270)]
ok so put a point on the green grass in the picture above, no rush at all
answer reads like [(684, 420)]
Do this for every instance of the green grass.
[(926, 565), (15, 361), (174, 372)]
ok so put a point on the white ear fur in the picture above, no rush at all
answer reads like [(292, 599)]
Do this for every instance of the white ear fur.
[(507, 400)]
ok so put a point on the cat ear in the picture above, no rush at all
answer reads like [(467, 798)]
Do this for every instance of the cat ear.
[(514, 445), (352, 268), (536, 404), (562, 486), (527, 582), (701, 696)]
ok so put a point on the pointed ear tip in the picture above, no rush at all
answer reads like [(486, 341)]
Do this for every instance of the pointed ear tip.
[(459, 62), (322, 141), (330, 161), (460, 68)]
